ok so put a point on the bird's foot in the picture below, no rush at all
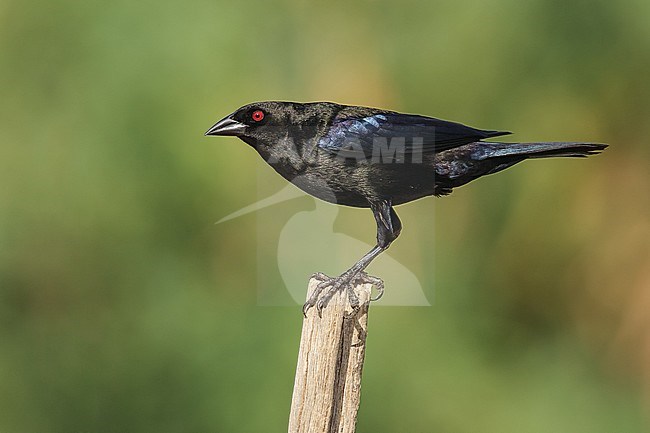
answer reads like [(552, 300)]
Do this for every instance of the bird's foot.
[(332, 285)]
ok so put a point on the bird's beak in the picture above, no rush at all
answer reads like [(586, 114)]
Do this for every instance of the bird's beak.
[(227, 126)]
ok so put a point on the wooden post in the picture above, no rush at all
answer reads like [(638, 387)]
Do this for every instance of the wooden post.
[(327, 387)]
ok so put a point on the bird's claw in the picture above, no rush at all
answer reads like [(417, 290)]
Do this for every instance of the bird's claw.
[(320, 305), (319, 276), (347, 280), (377, 282)]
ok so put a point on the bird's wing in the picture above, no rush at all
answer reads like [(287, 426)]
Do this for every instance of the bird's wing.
[(358, 137)]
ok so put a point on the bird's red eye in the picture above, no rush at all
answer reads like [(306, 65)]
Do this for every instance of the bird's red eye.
[(257, 115)]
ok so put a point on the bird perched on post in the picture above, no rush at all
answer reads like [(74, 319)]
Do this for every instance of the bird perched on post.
[(372, 158)]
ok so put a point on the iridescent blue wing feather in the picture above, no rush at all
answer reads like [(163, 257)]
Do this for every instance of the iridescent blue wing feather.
[(356, 137)]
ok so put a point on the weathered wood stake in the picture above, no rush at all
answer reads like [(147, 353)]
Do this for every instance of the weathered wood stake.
[(327, 387)]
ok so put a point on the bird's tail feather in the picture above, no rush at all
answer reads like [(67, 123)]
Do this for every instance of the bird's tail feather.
[(543, 150)]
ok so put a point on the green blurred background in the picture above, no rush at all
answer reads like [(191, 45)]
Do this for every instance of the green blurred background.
[(124, 308)]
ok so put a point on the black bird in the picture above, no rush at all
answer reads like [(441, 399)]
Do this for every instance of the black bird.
[(368, 157)]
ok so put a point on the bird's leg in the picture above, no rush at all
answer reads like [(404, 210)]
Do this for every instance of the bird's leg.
[(388, 229)]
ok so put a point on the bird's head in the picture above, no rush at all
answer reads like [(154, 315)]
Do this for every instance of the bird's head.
[(262, 124)]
